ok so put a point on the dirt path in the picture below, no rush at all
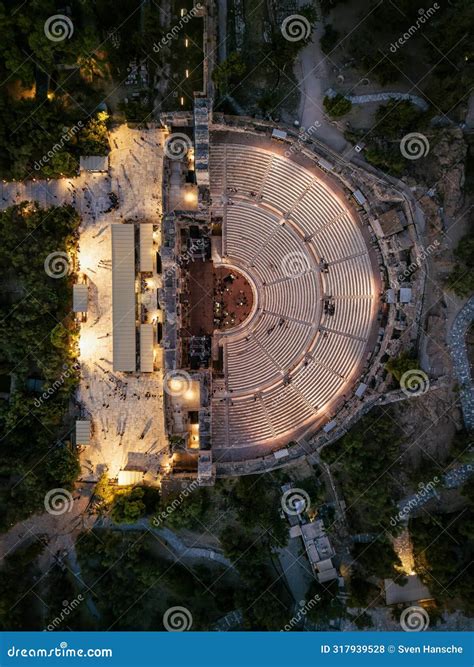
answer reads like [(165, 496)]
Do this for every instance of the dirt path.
[(311, 71), (60, 530)]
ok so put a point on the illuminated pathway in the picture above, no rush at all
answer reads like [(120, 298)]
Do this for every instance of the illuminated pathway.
[(126, 409)]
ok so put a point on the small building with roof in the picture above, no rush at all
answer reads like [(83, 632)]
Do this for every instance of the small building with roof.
[(94, 163), (83, 431)]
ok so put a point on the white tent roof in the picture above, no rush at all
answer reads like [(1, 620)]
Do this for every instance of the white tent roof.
[(123, 297), (146, 247), (83, 431), (146, 348), (279, 134), (127, 477), (94, 162), (80, 298), (405, 294)]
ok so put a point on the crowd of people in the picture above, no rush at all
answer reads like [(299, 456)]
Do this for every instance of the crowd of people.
[(231, 303)]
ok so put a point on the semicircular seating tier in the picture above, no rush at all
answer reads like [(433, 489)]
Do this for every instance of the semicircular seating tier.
[(302, 247)]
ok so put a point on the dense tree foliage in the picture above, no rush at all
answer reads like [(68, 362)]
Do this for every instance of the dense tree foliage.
[(48, 138), (361, 592), (257, 502), (366, 461), (377, 559), (185, 510), (133, 587), (328, 5), (443, 549), (392, 122), (253, 527), (35, 313), (194, 508), (50, 88), (129, 507), (397, 366), (448, 30), (228, 73), (337, 106), (329, 606), (259, 77), (461, 278), (264, 602), (65, 601), (130, 504), (329, 39), (19, 609)]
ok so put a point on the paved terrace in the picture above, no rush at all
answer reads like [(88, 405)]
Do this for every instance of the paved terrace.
[(126, 409)]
